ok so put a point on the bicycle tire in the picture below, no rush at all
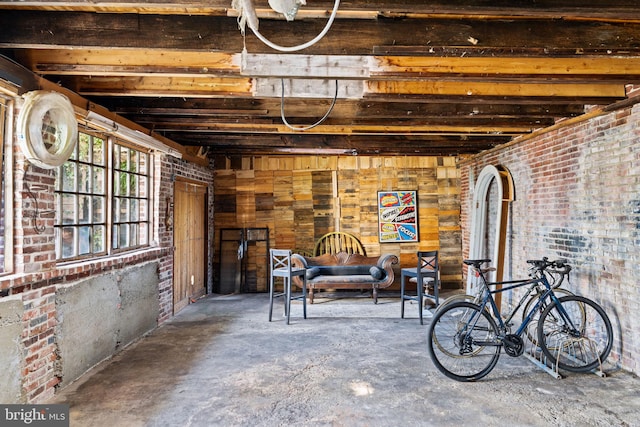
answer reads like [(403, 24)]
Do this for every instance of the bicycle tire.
[(456, 298), (532, 328), (455, 342), (580, 343)]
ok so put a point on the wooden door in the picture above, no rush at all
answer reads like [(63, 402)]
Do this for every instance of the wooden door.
[(190, 238)]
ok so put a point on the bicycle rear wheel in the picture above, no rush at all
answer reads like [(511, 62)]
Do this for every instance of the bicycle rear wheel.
[(576, 337), (462, 341), (456, 298)]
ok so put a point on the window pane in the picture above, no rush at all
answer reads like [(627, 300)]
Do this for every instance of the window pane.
[(122, 184), (98, 180), (123, 159), (133, 185), (142, 186), (84, 240), (84, 209), (84, 178), (144, 233), (116, 185), (133, 210), (69, 204), (143, 210), (144, 164), (68, 176), (98, 209), (68, 242), (98, 151), (133, 162), (133, 235), (123, 241), (98, 239), (84, 146), (122, 210), (58, 210)]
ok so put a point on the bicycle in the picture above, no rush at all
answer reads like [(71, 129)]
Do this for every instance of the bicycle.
[(465, 339), (556, 272), (555, 276)]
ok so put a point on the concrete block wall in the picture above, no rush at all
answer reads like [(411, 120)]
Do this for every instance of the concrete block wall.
[(99, 315), (11, 314), (578, 197)]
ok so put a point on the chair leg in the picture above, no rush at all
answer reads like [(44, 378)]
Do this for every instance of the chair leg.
[(304, 296), (402, 297), (419, 288), (287, 304), (271, 286)]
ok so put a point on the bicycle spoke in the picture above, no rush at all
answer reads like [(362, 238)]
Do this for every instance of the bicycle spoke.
[(462, 342), (576, 337)]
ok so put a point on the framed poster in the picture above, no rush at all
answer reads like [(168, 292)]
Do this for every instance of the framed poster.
[(397, 216)]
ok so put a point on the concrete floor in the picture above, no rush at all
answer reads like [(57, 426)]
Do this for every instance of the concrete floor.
[(351, 363)]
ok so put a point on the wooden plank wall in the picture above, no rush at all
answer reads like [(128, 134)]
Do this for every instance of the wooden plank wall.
[(295, 198)]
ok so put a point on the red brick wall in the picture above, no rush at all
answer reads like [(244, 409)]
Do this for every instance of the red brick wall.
[(577, 194), (36, 274)]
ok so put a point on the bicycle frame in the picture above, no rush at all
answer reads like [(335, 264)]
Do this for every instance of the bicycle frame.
[(504, 324)]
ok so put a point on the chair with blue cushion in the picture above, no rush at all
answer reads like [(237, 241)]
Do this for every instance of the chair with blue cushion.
[(280, 266), (426, 275)]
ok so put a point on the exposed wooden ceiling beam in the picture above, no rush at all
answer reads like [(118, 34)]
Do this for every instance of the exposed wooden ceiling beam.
[(371, 110), (361, 9), (31, 29), (379, 129), (150, 63), (349, 144), (212, 87), (415, 77)]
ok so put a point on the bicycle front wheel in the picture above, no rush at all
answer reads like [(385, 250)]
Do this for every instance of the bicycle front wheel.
[(463, 341), (576, 335), (533, 321)]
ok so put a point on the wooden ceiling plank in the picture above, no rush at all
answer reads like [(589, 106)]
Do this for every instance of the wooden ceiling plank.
[(137, 57), (350, 129), (213, 86), (471, 88), (128, 62), (163, 86), (37, 29), (354, 9), (509, 66), (213, 106)]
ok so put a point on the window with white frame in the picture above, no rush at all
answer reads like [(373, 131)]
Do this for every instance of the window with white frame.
[(130, 198), (103, 199)]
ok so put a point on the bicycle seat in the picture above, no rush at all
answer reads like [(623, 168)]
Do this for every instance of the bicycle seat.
[(476, 263)]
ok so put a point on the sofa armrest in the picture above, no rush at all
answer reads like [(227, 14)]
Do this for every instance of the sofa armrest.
[(298, 261), (386, 261)]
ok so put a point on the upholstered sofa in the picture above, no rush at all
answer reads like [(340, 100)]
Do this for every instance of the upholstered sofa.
[(346, 271)]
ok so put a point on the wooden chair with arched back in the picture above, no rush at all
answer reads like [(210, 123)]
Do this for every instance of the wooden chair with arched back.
[(337, 241)]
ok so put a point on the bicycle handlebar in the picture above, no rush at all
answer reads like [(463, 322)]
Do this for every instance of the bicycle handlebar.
[(558, 266), (541, 264)]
